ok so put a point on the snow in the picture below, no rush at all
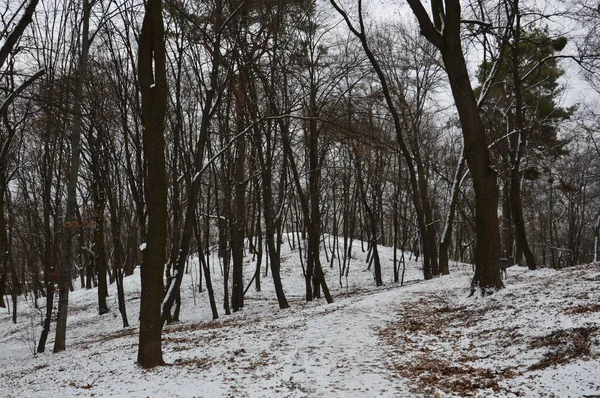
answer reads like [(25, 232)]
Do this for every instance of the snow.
[(538, 337)]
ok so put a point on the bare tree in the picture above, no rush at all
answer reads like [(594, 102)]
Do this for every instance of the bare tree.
[(444, 32), (7, 139), (153, 87)]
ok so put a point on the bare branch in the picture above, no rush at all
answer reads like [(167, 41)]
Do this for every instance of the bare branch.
[(6, 103), (17, 32), (427, 28)]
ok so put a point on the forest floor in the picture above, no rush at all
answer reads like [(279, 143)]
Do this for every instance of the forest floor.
[(538, 337)]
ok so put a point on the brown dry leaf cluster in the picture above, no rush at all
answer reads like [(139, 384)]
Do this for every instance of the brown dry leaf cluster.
[(414, 344), (564, 346)]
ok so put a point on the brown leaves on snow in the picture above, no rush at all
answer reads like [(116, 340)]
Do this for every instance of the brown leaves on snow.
[(564, 346)]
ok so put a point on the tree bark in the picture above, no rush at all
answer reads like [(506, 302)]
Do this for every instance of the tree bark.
[(118, 249), (3, 240), (203, 262), (153, 87), (99, 195), (266, 159)]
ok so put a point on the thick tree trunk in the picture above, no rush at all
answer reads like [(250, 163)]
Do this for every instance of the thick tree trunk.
[(487, 276), (444, 33), (153, 87)]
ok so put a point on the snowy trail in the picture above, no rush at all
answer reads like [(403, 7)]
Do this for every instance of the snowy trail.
[(339, 352)]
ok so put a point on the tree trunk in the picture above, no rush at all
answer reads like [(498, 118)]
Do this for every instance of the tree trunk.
[(518, 220), (49, 258), (518, 144), (487, 276), (206, 268), (444, 33), (266, 158), (447, 234), (372, 223), (118, 249), (100, 252), (238, 226), (193, 194), (70, 220), (153, 87), (3, 240)]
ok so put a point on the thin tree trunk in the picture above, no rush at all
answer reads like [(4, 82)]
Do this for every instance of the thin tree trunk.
[(70, 224), (518, 152), (447, 234), (192, 199), (118, 249), (266, 158), (239, 222), (204, 265), (100, 254), (49, 260), (3, 240)]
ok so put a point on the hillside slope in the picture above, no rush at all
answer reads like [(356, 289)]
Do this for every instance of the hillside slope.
[(538, 337)]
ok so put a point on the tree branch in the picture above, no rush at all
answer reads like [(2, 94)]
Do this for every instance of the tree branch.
[(17, 32), (6, 103), (427, 28)]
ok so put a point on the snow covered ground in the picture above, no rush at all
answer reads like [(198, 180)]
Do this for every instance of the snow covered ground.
[(539, 337)]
